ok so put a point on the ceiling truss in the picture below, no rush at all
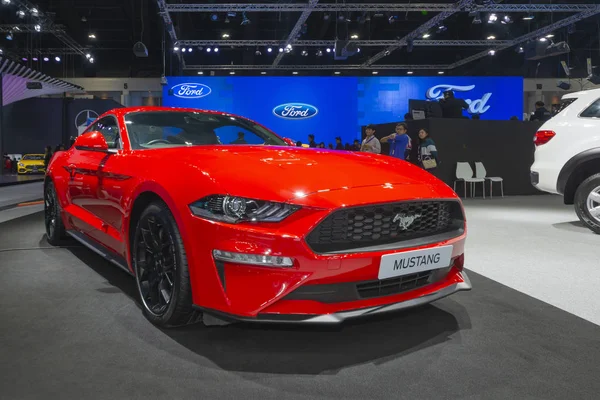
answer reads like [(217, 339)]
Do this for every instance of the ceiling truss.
[(331, 43), (313, 67), (296, 30), (382, 7)]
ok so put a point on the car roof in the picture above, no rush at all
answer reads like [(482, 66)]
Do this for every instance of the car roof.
[(126, 110), (583, 93)]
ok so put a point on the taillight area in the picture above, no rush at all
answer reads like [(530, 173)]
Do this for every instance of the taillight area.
[(543, 137)]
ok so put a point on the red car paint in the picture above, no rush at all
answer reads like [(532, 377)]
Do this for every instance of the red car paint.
[(97, 192)]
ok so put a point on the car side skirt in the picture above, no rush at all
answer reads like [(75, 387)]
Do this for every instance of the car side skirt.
[(336, 318), (100, 249)]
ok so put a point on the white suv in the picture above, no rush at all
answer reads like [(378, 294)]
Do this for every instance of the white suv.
[(567, 155)]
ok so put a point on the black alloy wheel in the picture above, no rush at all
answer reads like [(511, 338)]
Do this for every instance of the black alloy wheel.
[(55, 230), (160, 266)]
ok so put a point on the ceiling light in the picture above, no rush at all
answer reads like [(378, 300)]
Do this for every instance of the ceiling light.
[(410, 72), (46, 59), (225, 35), (281, 49), (528, 17), (441, 72), (492, 52), (208, 49), (1, 51), (543, 39), (492, 18), (263, 73), (358, 50), (5, 2), (337, 72), (442, 28), (319, 53), (189, 49), (34, 58), (88, 55), (91, 36), (200, 72), (57, 59), (492, 37), (295, 73), (183, 49), (520, 50), (17, 28), (175, 48), (506, 19), (269, 49), (34, 12), (9, 36), (92, 60), (355, 36), (232, 73), (37, 27), (21, 14), (550, 36), (328, 50), (425, 36), (214, 17), (375, 72), (326, 16), (257, 53), (216, 50), (24, 58)]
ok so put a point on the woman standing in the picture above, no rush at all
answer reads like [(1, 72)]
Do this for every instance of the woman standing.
[(47, 157), (428, 155)]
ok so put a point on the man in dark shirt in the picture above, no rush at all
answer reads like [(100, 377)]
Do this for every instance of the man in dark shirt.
[(451, 106), (240, 140), (338, 143), (311, 141), (541, 113)]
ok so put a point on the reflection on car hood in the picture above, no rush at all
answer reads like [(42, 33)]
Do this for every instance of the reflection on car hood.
[(285, 173)]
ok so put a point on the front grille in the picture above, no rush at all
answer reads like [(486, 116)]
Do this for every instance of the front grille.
[(386, 287), (375, 225)]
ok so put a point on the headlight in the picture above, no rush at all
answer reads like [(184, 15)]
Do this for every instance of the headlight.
[(21, 164), (237, 209)]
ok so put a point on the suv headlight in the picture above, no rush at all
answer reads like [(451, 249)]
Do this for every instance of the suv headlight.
[(238, 209), (21, 164)]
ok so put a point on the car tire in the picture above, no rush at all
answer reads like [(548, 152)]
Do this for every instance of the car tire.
[(161, 269), (582, 208), (55, 228)]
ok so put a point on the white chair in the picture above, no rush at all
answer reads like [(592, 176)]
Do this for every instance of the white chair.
[(480, 172), (464, 173)]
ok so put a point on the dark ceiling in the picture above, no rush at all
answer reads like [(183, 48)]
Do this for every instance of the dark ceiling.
[(118, 25)]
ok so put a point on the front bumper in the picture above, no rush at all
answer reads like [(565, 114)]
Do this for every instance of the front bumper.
[(30, 170), (339, 317)]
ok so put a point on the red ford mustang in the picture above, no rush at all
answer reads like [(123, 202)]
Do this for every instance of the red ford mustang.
[(215, 215)]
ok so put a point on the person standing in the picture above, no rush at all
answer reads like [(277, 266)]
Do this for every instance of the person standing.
[(311, 141), (400, 143), (451, 106), (371, 143), (541, 113), (338, 143), (428, 154), (355, 146), (47, 156)]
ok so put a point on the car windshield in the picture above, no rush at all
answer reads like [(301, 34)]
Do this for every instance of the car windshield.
[(36, 157), (159, 129)]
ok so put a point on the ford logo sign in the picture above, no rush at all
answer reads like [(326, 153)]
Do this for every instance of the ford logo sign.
[(295, 111), (190, 90)]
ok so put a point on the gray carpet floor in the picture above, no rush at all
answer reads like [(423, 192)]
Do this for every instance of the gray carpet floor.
[(71, 328)]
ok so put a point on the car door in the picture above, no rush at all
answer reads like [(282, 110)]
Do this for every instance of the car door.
[(93, 211)]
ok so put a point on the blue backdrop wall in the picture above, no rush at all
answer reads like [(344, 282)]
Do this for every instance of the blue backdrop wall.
[(338, 106)]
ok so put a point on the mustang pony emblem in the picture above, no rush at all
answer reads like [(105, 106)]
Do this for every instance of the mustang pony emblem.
[(405, 220)]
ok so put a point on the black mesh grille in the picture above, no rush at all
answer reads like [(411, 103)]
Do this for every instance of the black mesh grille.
[(386, 287), (381, 224)]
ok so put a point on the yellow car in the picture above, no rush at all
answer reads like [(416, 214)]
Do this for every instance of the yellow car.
[(31, 164)]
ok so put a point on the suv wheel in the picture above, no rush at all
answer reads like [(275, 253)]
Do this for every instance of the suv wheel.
[(587, 202)]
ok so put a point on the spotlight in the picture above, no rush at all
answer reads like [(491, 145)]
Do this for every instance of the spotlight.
[(9, 36), (425, 36), (304, 53), (88, 55), (326, 17), (216, 50), (34, 12), (341, 17), (208, 49), (225, 35), (21, 14), (492, 18), (245, 20), (17, 28), (492, 37), (507, 20), (328, 50), (477, 18), (92, 60), (520, 50), (358, 50), (375, 72), (200, 72), (337, 72), (263, 73), (269, 49), (355, 36), (24, 58), (295, 73), (57, 59), (189, 49), (281, 49), (528, 17), (319, 53), (34, 58), (410, 72), (1, 51), (441, 72), (183, 49), (46, 59), (392, 19), (6, 2), (91, 36), (175, 48), (492, 52), (550, 36), (232, 73), (441, 28), (214, 17), (257, 53), (543, 39), (38, 28)]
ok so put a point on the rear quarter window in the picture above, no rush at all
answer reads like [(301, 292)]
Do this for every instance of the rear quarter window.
[(593, 110)]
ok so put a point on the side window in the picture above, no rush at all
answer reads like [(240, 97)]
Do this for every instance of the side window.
[(593, 111), (110, 130), (237, 135)]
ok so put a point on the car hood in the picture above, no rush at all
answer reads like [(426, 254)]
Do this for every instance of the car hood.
[(32, 162), (287, 173)]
